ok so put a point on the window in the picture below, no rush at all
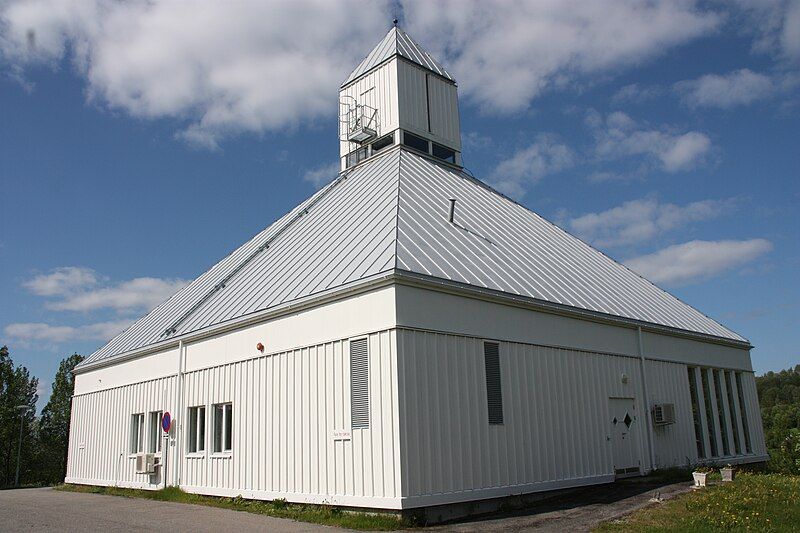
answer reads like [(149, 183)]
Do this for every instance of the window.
[(732, 406), (155, 432), (743, 413), (137, 433), (698, 421), (445, 154), (359, 384), (494, 393), (413, 141), (712, 437), (223, 427), (383, 142), (721, 415), (356, 156), (197, 429)]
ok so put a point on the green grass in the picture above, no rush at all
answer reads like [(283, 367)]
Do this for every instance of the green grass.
[(758, 502), (317, 514)]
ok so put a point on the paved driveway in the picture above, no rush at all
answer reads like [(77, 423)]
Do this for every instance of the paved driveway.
[(53, 510)]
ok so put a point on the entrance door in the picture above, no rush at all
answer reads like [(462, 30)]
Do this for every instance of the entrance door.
[(623, 419)]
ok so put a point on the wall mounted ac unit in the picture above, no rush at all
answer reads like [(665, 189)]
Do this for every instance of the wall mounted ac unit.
[(145, 463), (663, 414)]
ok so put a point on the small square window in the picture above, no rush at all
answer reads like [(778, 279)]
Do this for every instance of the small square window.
[(415, 142), (444, 153), (383, 142)]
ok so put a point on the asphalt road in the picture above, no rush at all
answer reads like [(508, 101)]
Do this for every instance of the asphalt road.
[(53, 510)]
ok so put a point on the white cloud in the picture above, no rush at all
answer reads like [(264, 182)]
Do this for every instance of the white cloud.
[(618, 135), (546, 155), (61, 281), (776, 25), (637, 93), (640, 220), (221, 68), (321, 175), (28, 332), (81, 289), (697, 260), (739, 87), (505, 53)]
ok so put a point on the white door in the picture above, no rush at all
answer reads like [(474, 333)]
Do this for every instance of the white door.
[(624, 422)]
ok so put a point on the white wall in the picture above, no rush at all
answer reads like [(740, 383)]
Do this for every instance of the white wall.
[(418, 308), (413, 105)]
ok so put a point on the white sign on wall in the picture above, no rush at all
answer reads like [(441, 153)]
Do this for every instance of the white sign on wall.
[(341, 434)]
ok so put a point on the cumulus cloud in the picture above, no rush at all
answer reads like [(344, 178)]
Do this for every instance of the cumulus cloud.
[(321, 175), (697, 260), (506, 53), (82, 289), (775, 24), (220, 67), (637, 94), (27, 332), (61, 281), (640, 220), (547, 155), (618, 135), (739, 87)]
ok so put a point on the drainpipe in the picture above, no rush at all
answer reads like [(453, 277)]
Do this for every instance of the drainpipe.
[(648, 421), (178, 457)]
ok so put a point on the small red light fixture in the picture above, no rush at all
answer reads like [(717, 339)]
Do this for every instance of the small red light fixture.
[(260, 347)]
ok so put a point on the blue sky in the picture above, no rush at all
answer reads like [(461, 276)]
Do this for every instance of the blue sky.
[(140, 143)]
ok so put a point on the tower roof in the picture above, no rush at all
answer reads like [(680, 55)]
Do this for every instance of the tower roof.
[(397, 42), (388, 216)]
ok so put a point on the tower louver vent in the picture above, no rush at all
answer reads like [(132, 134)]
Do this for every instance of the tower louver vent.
[(494, 393), (359, 384)]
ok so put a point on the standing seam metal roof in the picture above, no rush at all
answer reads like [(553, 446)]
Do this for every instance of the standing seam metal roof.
[(397, 42), (389, 214)]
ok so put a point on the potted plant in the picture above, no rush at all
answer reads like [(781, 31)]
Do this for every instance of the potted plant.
[(700, 476), (726, 472)]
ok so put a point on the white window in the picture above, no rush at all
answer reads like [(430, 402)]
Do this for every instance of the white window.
[(197, 429), (137, 433), (223, 427), (155, 432)]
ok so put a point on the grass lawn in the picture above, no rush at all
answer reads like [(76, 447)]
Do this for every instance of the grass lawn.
[(317, 514), (758, 502)]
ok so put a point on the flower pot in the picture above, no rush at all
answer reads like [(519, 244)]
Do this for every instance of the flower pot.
[(700, 478), (727, 473)]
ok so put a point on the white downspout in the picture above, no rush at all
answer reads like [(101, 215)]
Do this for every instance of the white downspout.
[(178, 456), (648, 421)]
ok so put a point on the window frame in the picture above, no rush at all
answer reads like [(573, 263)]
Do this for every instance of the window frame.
[(408, 134), (195, 414), (451, 158), (136, 441), (154, 432), (226, 433)]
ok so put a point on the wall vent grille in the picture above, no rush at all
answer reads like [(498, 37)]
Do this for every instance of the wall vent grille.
[(494, 393), (359, 384)]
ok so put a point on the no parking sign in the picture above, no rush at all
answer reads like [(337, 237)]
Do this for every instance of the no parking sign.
[(166, 422)]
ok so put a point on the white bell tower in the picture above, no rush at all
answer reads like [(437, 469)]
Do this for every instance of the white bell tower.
[(399, 94)]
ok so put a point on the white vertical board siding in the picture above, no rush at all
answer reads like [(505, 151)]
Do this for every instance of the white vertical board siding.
[(754, 422), (555, 409), (286, 407), (383, 97), (445, 122), (100, 432), (674, 444), (412, 99)]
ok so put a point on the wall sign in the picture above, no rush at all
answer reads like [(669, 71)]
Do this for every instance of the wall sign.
[(341, 434)]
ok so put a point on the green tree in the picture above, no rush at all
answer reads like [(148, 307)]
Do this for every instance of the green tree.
[(779, 396), (54, 423), (17, 388)]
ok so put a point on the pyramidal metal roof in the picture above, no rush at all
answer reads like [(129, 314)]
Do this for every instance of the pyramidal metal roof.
[(389, 216), (397, 42)]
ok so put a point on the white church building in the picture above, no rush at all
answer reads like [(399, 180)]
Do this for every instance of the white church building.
[(409, 337)]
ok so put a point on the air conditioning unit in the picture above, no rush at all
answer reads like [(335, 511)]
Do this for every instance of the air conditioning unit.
[(663, 414), (146, 463)]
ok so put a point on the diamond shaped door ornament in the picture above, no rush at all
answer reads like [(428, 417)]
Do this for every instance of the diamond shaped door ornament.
[(614, 421), (628, 420)]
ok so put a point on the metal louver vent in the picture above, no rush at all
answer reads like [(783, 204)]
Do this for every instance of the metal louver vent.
[(494, 393), (359, 384)]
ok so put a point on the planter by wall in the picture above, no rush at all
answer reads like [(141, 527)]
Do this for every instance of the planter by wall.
[(727, 473), (700, 479)]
